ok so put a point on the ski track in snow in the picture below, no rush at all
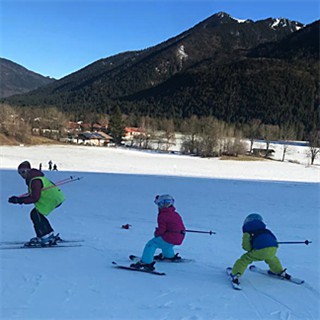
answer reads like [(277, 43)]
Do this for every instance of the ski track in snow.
[(283, 314), (286, 311)]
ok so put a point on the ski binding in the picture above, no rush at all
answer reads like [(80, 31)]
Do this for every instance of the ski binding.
[(177, 259), (254, 268)]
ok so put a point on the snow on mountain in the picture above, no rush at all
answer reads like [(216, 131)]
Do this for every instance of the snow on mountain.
[(118, 187), (283, 22), (274, 22)]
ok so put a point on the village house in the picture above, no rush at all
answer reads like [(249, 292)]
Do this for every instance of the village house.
[(93, 138), (132, 132)]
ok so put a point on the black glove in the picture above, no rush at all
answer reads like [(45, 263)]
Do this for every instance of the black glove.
[(15, 199)]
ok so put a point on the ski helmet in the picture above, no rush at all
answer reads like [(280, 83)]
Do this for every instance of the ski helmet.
[(252, 217), (164, 201)]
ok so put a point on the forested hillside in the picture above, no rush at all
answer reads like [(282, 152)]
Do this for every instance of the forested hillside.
[(15, 79), (234, 71)]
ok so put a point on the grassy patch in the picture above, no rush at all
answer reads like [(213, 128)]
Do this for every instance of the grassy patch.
[(242, 158), (34, 140)]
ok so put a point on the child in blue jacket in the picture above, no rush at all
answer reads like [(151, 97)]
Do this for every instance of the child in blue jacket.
[(261, 245)]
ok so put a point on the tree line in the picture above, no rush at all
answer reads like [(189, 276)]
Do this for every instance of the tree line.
[(204, 136)]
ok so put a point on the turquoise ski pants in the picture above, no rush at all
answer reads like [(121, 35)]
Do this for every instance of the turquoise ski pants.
[(154, 244)]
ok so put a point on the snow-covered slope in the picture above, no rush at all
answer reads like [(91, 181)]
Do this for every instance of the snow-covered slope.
[(80, 283), (111, 160)]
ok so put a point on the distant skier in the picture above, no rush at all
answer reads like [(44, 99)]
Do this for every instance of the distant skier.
[(55, 168), (170, 232), (45, 201), (50, 165), (260, 244)]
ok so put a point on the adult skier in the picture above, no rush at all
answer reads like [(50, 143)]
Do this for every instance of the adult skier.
[(45, 197)]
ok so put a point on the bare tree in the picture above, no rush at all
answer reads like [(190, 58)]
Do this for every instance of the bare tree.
[(191, 129), (287, 133), (208, 141), (314, 145), (270, 132), (13, 125), (252, 131), (169, 133), (147, 126)]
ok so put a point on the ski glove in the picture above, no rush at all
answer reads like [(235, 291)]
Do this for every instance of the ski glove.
[(15, 199)]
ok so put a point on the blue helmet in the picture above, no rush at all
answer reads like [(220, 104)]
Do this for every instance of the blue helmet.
[(252, 217), (164, 201)]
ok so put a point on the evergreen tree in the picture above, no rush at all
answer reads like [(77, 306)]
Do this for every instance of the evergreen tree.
[(116, 126)]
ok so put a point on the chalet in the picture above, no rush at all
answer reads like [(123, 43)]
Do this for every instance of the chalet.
[(79, 126), (131, 132), (93, 139)]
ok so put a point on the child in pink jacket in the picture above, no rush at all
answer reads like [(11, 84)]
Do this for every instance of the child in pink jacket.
[(170, 232)]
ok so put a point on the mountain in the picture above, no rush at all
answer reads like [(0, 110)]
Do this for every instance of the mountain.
[(302, 45), (16, 79), (217, 67)]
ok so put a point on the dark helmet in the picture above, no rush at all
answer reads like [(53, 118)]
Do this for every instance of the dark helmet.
[(252, 217), (24, 167)]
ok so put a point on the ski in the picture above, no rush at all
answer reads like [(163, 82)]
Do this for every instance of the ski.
[(21, 246), (116, 265), (8, 243), (58, 240), (254, 268), (179, 260), (234, 285)]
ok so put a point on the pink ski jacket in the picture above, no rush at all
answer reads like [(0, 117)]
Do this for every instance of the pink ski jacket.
[(170, 226)]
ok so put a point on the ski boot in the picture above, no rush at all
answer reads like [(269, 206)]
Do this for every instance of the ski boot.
[(284, 274), (145, 266), (46, 240), (235, 278)]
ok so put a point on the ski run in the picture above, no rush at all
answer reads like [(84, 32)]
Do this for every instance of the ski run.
[(118, 188)]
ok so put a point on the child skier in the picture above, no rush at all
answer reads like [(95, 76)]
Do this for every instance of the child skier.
[(45, 201), (170, 232), (261, 245)]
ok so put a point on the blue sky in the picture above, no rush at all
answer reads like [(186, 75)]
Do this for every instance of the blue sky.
[(58, 37)]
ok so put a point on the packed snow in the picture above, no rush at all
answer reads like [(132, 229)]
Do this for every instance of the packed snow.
[(118, 188)]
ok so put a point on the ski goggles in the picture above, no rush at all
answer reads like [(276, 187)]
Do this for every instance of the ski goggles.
[(163, 200), (23, 171)]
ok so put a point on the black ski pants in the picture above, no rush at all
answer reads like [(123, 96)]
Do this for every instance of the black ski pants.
[(40, 223)]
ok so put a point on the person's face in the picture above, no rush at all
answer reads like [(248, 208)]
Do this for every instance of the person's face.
[(24, 173)]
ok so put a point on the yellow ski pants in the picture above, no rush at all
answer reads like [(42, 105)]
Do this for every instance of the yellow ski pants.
[(266, 254)]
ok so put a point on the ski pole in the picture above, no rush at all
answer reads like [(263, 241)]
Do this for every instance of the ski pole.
[(197, 231), (71, 179), (295, 242), (58, 183)]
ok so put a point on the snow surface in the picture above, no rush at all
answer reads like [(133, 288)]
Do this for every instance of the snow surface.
[(118, 187)]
